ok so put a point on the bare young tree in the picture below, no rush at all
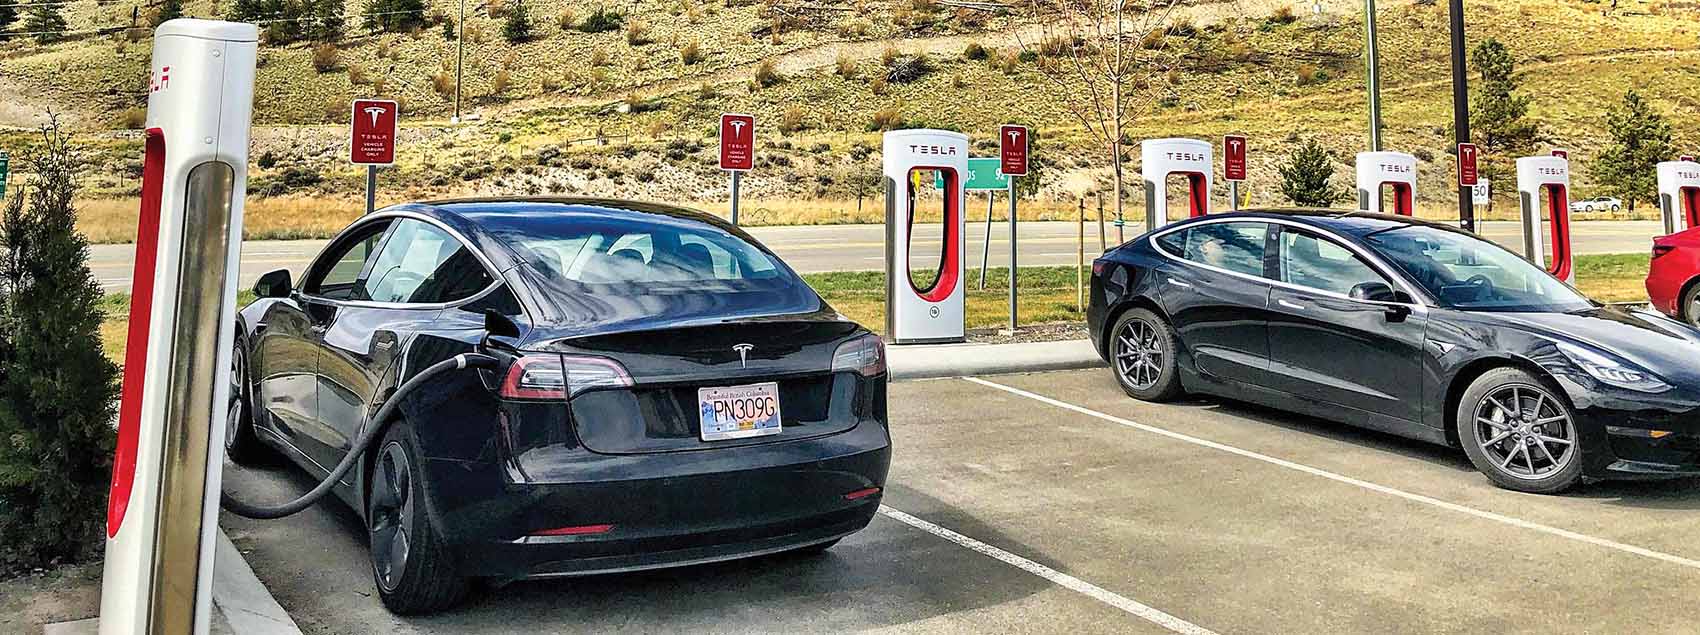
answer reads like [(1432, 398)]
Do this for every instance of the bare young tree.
[(1117, 62)]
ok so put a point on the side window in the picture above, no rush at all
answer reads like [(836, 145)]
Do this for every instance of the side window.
[(1236, 247), (421, 263), (1173, 242), (337, 275), (1312, 261), (697, 258)]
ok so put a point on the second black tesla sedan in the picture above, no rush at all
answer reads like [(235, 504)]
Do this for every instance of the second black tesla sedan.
[(1408, 327), (676, 394)]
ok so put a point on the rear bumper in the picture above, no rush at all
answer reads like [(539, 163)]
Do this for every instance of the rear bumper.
[(668, 509)]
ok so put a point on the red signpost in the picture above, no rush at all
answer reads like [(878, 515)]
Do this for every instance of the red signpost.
[(1688, 157), (1562, 154), (1012, 150), (1233, 166), (372, 140), (1468, 174), (737, 150)]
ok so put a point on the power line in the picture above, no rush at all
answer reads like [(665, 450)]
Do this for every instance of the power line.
[(125, 26)]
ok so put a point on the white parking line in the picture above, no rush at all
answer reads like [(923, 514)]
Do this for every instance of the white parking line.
[(1059, 578), (1418, 498)]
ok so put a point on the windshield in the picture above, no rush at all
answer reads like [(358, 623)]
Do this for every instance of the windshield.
[(1465, 272), (604, 271)]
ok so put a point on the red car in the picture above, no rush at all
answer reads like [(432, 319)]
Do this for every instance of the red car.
[(1673, 282)]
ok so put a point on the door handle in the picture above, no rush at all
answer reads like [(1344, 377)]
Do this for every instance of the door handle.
[(1290, 305), (1183, 285)]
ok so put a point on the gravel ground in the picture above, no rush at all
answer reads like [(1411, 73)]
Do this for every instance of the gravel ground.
[(1054, 332)]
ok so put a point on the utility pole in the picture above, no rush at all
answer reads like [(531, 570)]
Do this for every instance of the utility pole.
[(460, 57), (1461, 109), (1373, 76)]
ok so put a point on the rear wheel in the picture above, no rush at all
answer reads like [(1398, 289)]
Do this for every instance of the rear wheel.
[(1518, 431), (1142, 354), (1689, 305), (240, 444), (412, 569)]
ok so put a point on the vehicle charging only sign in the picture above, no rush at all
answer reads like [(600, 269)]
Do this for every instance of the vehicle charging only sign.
[(1012, 150), (737, 142), (373, 132), (1233, 158), (1467, 172)]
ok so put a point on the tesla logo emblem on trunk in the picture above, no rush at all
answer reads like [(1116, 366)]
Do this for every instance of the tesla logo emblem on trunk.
[(743, 354)]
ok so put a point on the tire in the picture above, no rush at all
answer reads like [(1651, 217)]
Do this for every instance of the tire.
[(411, 567), (1688, 306), (1143, 356), (1534, 425), (240, 442), (1616, 208)]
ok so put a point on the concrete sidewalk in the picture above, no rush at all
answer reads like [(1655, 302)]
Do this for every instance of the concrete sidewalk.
[(956, 360)]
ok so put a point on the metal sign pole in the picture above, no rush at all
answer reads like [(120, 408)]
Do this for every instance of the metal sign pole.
[(1012, 251), (1234, 196), (735, 175), (986, 250), (371, 188)]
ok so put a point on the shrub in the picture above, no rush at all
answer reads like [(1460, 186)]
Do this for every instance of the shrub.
[(357, 75), (846, 66), (516, 28), (1283, 15), (599, 57), (1309, 74), (1027, 56), (395, 16), (907, 68), (792, 119), (889, 55), (56, 386), (444, 84), (877, 85), (637, 33), (566, 19), (767, 74), (325, 58), (449, 29), (602, 20), (501, 82), (1056, 46), (1183, 27), (267, 160), (888, 118), (133, 118), (691, 53), (974, 51)]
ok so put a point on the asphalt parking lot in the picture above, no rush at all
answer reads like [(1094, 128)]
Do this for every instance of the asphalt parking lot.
[(1053, 503)]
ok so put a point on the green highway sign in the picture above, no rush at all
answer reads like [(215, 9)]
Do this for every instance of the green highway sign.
[(5, 165), (983, 175)]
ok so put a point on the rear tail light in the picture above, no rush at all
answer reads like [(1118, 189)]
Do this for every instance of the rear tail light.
[(576, 530), (550, 376), (861, 493), (864, 355), (1098, 266), (1660, 250)]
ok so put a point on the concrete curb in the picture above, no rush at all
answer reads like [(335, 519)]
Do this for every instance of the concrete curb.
[(959, 360), (245, 604)]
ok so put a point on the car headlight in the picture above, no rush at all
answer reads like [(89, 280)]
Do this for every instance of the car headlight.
[(1611, 371)]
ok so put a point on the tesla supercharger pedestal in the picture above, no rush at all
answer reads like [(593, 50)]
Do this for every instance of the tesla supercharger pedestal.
[(924, 313), (1378, 171), (1679, 195), (1160, 159), (162, 517), (1548, 176)]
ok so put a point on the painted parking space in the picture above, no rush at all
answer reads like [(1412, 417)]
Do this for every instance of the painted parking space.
[(1023, 503)]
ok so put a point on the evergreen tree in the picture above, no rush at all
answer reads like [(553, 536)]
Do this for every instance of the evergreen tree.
[(1641, 138), (326, 21), (394, 15), (250, 10), (45, 21), (517, 27), (57, 389), (8, 15), (1304, 179), (1498, 115), (168, 10)]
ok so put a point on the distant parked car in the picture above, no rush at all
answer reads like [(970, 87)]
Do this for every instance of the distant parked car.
[(1597, 204), (1673, 280)]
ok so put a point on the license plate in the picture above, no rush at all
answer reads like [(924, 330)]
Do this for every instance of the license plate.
[(738, 412)]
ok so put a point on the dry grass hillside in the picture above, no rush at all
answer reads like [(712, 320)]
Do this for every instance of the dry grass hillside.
[(628, 113)]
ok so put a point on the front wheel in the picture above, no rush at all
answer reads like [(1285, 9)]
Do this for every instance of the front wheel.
[(1142, 354), (412, 568), (240, 442), (1520, 432), (1689, 306)]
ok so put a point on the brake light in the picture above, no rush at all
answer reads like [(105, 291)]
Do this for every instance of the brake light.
[(1098, 267), (864, 355), (550, 376), (861, 493), (578, 530), (1660, 250)]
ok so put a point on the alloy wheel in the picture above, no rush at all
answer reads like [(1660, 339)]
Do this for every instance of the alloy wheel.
[(1139, 354), (1693, 312), (1525, 431), (238, 405), (391, 518)]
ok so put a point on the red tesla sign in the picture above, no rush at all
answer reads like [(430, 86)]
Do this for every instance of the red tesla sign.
[(1233, 157), (1562, 154), (1688, 157), (1012, 148), (1467, 172), (373, 132), (737, 142)]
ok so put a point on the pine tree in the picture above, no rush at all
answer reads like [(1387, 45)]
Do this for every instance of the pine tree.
[(394, 15), (168, 10), (1498, 115), (517, 27), (8, 15), (326, 21), (45, 21), (1304, 179), (1641, 138), (57, 389)]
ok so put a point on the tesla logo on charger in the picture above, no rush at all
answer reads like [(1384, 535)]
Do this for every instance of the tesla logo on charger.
[(935, 150), (1185, 156), (1552, 171), (1395, 168), (744, 353), (159, 80)]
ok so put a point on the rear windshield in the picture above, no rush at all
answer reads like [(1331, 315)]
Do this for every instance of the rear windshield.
[(659, 268)]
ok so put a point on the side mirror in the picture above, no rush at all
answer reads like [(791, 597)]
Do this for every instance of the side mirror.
[(1374, 292), (274, 284)]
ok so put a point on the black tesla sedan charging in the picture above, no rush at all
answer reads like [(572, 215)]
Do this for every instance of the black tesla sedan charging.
[(1408, 327), (671, 393)]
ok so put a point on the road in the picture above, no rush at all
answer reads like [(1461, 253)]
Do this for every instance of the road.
[(1051, 503), (818, 248)]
